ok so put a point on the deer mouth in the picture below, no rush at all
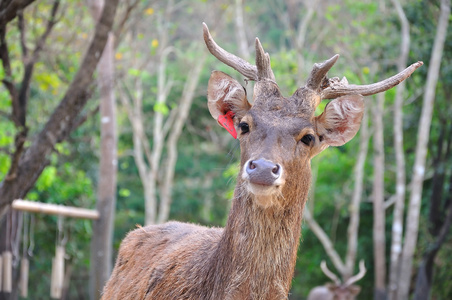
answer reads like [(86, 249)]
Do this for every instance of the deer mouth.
[(264, 196), (262, 190)]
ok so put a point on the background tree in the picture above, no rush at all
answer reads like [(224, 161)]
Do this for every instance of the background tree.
[(399, 200), (378, 200), (27, 164), (345, 267), (156, 170), (370, 45), (28, 161), (102, 245), (412, 225)]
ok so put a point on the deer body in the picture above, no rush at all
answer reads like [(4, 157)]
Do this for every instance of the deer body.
[(254, 256)]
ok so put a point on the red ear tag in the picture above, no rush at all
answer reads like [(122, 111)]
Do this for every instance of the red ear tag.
[(227, 123)]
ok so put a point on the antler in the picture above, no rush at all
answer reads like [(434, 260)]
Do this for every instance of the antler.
[(262, 69), (317, 81), (318, 73), (338, 88), (329, 274), (362, 272)]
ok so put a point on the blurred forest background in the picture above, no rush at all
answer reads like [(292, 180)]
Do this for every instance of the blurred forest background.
[(173, 162)]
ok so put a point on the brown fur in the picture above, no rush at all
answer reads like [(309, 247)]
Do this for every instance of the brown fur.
[(254, 256)]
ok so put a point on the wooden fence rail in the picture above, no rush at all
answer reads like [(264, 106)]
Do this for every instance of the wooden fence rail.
[(55, 209)]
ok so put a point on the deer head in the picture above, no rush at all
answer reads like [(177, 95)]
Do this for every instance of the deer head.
[(338, 290), (279, 135)]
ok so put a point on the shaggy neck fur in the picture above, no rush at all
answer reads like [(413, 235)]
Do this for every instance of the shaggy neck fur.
[(256, 255)]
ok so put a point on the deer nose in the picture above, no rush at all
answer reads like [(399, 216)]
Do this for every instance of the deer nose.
[(263, 172)]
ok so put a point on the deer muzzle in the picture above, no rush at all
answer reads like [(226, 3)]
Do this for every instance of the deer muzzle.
[(262, 172)]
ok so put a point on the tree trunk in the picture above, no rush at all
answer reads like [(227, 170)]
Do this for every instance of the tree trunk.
[(439, 224), (325, 240), (345, 270), (60, 124), (412, 224), (11, 233), (440, 167), (242, 42), (158, 136), (102, 241), (378, 201), (397, 223), (241, 30), (353, 226), (67, 281), (176, 130), (157, 171), (141, 149), (425, 272), (301, 38)]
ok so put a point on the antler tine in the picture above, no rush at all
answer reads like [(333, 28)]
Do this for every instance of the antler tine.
[(328, 273), (340, 88), (235, 62), (264, 70), (318, 73), (362, 272)]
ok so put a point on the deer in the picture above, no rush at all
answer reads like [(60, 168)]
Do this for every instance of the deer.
[(338, 290), (254, 255)]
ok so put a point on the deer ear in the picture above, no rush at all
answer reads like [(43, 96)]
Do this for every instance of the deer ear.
[(340, 121), (225, 95)]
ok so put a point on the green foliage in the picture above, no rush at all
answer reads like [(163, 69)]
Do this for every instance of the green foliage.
[(368, 40), (161, 108), (47, 81), (231, 173), (134, 72), (62, 183)]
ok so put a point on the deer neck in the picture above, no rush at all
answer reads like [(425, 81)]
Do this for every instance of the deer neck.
[(259, 245)]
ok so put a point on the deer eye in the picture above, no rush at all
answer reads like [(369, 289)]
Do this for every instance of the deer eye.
[(244, 127), (307, 139)]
